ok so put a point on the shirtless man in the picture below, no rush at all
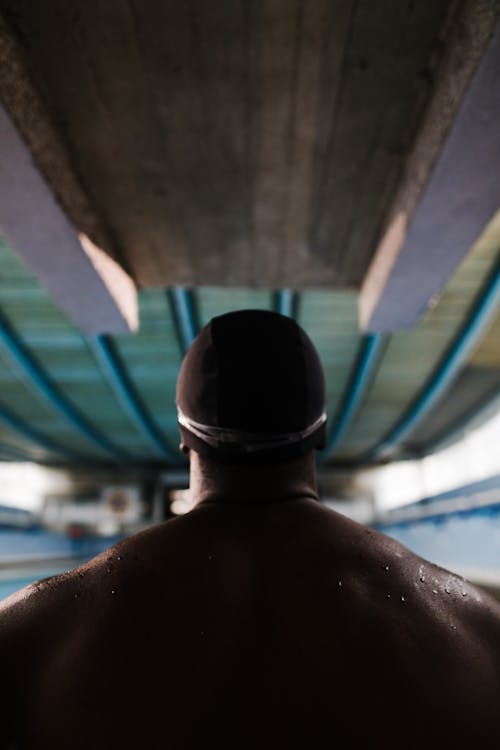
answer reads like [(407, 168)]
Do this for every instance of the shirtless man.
[(260, 619)]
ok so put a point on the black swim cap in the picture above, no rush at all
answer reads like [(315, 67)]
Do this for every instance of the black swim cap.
[(251, 388)]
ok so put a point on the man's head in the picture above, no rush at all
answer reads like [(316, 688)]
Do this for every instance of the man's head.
[(251, 390)]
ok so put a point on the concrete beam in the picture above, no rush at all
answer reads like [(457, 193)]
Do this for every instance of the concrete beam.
[(91, 288), (58, 236), (449, 191)]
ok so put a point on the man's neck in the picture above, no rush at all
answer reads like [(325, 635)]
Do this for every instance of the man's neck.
[(212, 481)]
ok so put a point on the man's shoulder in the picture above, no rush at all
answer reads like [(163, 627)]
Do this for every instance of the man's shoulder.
[(26, 620), (43, 596), (432, 592), (28, 604)]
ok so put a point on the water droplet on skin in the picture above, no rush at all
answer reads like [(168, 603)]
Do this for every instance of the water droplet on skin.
[(464, 593), (403, 599), (422, 578), (109, 571), (340, 583), (210, 557), (434, 591), (385, 567), (113, 591), (453, 627), (77, 595), (388, 596), (119, 557), (447, 590)]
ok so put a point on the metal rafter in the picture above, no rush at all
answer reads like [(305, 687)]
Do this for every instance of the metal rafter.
[(285, 302), (44, 385), (118, 377), (488, 404), (457, 354), (361, 376), (183, 308), (15, 423)]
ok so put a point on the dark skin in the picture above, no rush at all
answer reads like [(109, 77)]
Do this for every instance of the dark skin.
[(260, 619)]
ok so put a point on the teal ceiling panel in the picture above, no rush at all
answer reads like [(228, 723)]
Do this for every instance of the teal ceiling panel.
[(153, 359), (331, 320), (212, 301)]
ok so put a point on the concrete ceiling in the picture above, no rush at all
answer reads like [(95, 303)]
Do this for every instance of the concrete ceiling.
[(264, 143)]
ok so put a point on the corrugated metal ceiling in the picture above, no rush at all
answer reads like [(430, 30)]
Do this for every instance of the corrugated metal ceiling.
[(68, 398)]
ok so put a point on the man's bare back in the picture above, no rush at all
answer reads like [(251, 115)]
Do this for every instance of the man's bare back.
[(241, 625)]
